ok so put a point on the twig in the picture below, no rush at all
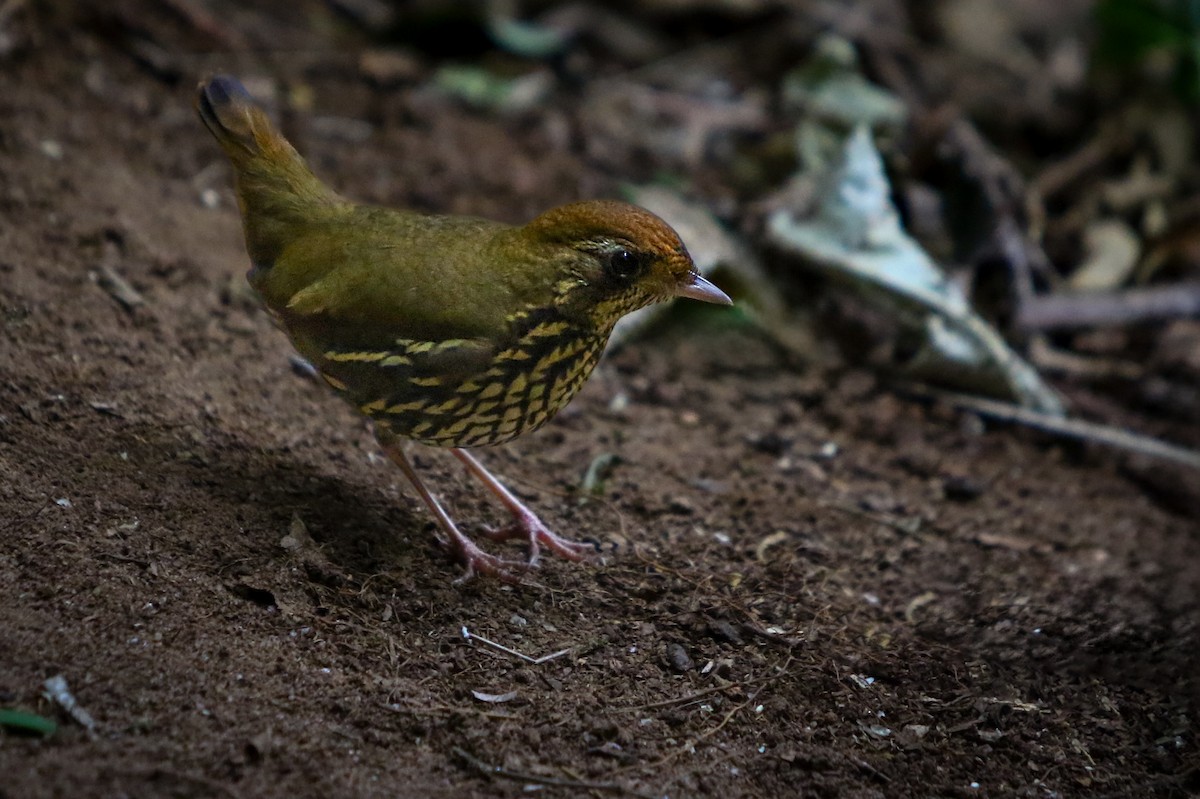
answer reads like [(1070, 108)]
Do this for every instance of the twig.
[(682, 700), (535, 661), (4, 528), (1001, 185), (1067, 428), (1024, 256), (865, 766), (1084, 161), (691, 743), (704, 736), (119, 288), (1109, 309), (907, 526), (537, 779), (1050, 359), (208, 24)]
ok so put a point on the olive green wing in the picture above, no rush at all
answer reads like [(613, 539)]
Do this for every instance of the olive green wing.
[(389, 305), (368, 276)]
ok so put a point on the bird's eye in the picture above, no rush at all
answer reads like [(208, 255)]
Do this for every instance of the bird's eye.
[(623, 263)]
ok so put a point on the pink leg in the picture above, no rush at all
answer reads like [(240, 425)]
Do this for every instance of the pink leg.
[(525, 525), (477, 561)]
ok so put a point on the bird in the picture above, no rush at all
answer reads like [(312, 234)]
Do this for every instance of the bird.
[(449, 331)]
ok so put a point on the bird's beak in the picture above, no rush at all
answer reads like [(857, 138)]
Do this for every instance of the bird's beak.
[(695, 287)]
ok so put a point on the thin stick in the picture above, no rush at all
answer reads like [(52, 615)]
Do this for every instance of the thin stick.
[(1067, 428), (535, 661), (1062, 173), (1074, 310), (691, 742)]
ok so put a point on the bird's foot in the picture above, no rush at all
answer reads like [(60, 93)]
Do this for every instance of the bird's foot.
[(525, 525), (475, 559), (529, 528), (477, 562)]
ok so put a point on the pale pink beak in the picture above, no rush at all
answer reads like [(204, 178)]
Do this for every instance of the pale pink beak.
[(695, 287)]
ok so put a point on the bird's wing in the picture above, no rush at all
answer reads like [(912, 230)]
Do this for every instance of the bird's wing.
[(375, 277)]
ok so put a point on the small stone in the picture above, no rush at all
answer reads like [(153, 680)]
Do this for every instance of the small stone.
[(389, 67), (678, 658), (297, 536), (681, 506), (961, 489), (770, 443), (724, 631)]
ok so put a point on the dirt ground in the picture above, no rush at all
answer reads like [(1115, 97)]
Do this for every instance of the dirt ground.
[(809, 586)]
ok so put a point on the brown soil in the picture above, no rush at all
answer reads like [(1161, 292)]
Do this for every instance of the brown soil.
[(810, 586)]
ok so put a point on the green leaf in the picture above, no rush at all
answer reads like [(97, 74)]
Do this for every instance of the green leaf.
[(19, 721)]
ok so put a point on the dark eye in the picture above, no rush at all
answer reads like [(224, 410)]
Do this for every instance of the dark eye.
[(623, 263)]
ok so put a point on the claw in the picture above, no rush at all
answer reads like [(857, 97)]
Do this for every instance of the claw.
[(530, 529), (479, 562)]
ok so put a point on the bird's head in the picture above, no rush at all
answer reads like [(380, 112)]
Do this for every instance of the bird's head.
[(613, 258)]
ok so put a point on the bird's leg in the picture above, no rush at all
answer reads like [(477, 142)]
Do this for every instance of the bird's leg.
[(477, 561), (525, 525)]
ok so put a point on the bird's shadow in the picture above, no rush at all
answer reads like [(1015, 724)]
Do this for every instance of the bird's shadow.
[(361, 527)]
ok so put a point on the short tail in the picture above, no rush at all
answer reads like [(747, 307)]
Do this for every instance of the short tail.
[(276, 189), (234, 118)]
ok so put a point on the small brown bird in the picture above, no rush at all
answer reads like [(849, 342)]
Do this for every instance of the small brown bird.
[(451, 331)]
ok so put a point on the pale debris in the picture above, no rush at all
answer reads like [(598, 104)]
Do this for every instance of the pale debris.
[(831, 97), (856, 237), (56, 691)]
